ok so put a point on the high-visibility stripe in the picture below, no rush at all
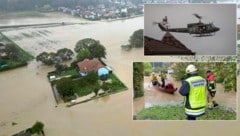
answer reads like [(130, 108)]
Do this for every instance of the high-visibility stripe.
[(194, 112)]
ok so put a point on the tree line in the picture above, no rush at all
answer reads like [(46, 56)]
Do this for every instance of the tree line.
[(22, 5), (225, 72)]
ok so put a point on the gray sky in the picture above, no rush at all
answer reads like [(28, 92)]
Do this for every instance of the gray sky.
[(179, 15)]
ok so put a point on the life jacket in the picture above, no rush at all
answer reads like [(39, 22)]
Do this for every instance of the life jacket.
[(154, 78)]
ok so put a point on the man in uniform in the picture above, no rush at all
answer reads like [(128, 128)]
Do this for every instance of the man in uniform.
[(194, 91), (211, 87)]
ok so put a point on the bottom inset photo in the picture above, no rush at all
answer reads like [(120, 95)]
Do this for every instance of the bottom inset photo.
[(184, 91)]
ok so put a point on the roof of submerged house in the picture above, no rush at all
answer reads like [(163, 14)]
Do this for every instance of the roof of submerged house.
[(89, 65), (169, 45)]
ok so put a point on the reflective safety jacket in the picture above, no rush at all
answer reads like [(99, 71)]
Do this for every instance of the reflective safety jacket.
[(196, 101)]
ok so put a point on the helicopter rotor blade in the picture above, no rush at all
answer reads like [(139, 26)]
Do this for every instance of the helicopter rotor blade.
[(197, 16), (155, 23)]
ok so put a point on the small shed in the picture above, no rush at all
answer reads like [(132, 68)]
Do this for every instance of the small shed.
[(103, 73)]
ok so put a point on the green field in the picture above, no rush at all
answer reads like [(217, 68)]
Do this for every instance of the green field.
[(177, 113), (16, 57), (84, 85)]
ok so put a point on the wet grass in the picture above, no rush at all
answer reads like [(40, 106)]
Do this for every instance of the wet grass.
[(20, 58), (83, 87), (117, 85), (72, 72), (177, 113)]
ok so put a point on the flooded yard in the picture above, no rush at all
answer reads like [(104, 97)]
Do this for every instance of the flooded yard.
[(26, 94)]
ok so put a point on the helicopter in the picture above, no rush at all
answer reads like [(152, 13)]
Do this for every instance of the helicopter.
[(199, 29)]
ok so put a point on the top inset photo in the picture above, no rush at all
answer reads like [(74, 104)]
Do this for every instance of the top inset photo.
[(190, 29)]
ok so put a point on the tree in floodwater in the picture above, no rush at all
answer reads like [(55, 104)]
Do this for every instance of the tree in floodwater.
[(65, 54), (136, 39), (37, 128), (96, 49), (138, 71), (44, 58), (54, 58)]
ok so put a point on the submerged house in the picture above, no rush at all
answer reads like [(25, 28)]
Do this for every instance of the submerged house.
[(93, 65), (169, 45)]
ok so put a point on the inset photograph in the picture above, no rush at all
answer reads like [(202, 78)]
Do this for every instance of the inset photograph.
[(189, 29), (184, 91)]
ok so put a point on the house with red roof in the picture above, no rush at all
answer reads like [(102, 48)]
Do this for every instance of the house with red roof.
[(87, 65)]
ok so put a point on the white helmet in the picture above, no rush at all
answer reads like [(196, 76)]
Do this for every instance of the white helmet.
[(191, 68)]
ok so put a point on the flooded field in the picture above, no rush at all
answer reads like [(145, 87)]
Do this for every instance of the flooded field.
[(27, 97), (14, 19)]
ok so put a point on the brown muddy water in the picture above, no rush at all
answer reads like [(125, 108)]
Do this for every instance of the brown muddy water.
[(27, 97)]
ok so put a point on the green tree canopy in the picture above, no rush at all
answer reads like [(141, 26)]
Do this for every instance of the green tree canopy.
[(44, 57), (65, 54), (54, 58), (225, 72), (65, 87), (84, 44), (147, 68), (83, 54), (91, 77), (96, 49), (136, 40), (37, 128), (138, 70)]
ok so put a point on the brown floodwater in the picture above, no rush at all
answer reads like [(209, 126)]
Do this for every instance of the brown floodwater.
[(27, 97)]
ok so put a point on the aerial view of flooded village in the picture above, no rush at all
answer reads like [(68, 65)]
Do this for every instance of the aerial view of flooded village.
[(66, 67)]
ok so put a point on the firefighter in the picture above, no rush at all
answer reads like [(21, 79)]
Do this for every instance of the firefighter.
[(211, 87), (194, 91)]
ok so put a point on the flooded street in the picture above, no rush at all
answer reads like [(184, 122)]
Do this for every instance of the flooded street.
[(153, 96), (27, 97)]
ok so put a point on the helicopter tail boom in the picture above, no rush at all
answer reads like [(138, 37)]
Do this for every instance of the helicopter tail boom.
[(162, 27)]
